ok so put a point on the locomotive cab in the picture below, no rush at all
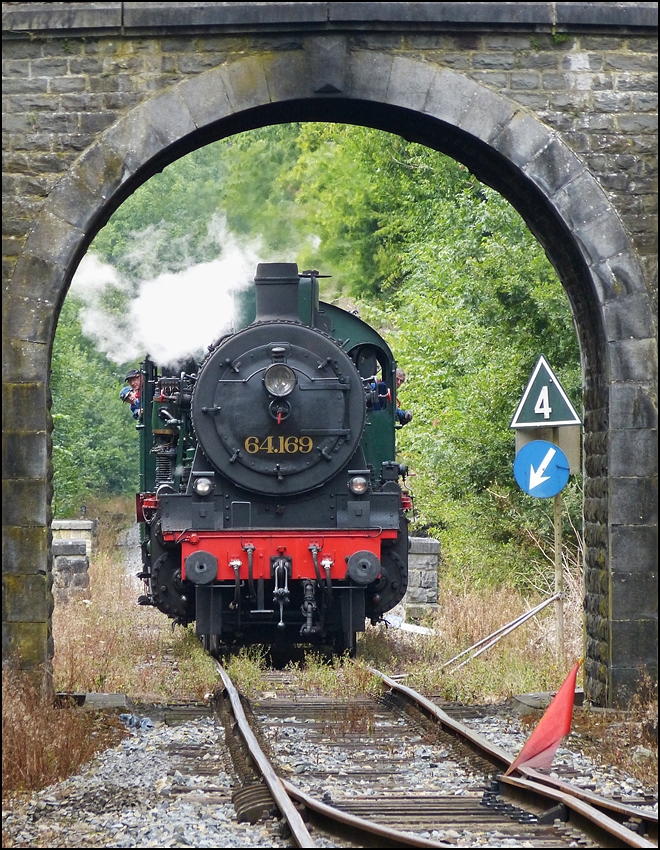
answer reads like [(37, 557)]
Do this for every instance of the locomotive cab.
[(271, 505)]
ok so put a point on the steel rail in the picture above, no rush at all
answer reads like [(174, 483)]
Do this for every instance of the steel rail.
[(590, 807), (282, 800), (602, 804), (376, 834), (372, 834), (590, 818)]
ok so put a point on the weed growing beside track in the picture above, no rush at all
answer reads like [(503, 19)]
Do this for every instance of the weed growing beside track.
[(111, 644)]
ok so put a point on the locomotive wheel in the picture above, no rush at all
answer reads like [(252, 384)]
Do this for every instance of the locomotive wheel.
[(213, 646), (171, 595)]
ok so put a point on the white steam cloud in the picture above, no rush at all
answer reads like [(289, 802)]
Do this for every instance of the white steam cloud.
[(172, 316)]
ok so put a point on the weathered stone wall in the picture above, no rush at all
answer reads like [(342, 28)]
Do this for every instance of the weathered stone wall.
[(577, 82), (422, 595), (70, 570), (86, 530)]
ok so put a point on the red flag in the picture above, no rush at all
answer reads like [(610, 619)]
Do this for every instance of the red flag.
[(542, 744)]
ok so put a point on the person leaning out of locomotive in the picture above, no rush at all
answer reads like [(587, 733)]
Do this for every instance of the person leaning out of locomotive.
[(129, 395), (134, 381), (403, 416)]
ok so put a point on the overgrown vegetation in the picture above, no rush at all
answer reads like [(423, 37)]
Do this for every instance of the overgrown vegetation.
[(43, 743), (442, 265), (111, 644)]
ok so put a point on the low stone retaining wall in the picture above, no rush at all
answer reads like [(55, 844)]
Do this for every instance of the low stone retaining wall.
[(70, 570), (422, 595), (78, 529)]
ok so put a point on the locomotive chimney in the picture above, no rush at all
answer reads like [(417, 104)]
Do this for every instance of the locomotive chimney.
[(277, 292)]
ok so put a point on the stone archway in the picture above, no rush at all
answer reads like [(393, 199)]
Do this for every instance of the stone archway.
[(506, 147)]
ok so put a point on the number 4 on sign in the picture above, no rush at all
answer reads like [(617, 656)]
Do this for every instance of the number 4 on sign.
[(543, 403)]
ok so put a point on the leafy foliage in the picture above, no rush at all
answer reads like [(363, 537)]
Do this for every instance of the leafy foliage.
[(442, 265), (94, 440)]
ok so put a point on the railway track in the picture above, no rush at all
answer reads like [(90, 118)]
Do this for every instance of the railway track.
[(356, 779)]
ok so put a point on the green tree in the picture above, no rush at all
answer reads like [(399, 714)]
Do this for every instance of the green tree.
[(441, 264), (94, 439)]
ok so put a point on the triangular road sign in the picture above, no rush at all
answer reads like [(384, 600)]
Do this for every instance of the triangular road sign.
[(544, 402)]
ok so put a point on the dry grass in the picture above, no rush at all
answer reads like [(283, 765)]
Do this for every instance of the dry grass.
[(105, 644), (42, 743), (524, 660), (111, 644)]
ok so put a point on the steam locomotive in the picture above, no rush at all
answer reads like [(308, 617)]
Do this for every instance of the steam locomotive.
[(271, 507)]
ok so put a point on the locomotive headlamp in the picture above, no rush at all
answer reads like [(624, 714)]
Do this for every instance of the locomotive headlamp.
[(280, 379), (202, 486), (358, 485)]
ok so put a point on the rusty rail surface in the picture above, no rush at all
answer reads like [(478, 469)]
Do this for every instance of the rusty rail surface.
[(603, 821), (602, 818)]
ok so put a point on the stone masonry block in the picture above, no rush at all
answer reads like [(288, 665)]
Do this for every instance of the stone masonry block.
[(31, 642), (24, 454), (554, 167), (26, 599), (580, 200), (53, 239), (424, 546), (618, 275), (22, 360), (634, 501), (71, 563), (80, 579), (287, 75), (25, 550), (168, 114), (487, 115), (246, 84), (415, 595), (103, 169), (24, 504), (73, 201), (326, 60), (634, 360), (625, 680), (409, 83), (633, 453), (633, 406), (629, 318), (29, 318), (634, 595), (424, 563), (634, 642), (133, 139), (449, 97), (69, 547), (206, 96), (24, 406), (602, 237), (369, 75), (522, 139)]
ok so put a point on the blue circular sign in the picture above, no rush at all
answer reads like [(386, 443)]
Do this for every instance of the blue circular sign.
[(541, 469)]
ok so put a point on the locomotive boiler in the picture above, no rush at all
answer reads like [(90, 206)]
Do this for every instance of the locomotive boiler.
[(272, 507)]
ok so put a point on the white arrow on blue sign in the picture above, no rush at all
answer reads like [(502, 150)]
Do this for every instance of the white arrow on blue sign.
[(541, 469)]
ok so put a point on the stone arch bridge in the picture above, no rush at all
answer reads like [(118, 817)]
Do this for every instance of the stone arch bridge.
[(552, 104)]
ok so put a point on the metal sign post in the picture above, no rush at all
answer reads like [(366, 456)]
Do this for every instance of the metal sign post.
[(541, 466)]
